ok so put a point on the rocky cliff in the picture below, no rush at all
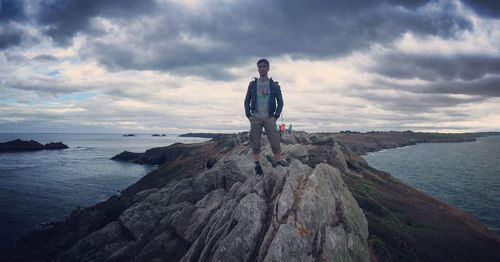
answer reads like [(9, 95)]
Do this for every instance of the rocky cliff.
[(205, 203)]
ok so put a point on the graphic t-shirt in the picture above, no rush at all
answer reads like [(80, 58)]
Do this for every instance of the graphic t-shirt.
[(262, 103)]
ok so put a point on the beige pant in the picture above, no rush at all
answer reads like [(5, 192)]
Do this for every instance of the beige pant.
[(269, 124)]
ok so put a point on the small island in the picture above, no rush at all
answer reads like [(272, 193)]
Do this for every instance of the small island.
[(128, 135), (19, 145)]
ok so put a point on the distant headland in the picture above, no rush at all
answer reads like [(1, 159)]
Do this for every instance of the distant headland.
[(19, 145), (373, 141)]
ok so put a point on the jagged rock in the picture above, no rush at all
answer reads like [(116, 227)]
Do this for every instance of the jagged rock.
[(302, 137), (297, 151), (320, 139), (288, 138), (317, 219), (330, 153), (338, 159), (296, 137)]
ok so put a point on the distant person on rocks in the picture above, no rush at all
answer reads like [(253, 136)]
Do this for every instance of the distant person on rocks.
[(282, 129), (263, 105)]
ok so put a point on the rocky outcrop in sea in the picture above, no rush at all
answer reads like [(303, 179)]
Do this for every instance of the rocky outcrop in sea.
[(19, 145)]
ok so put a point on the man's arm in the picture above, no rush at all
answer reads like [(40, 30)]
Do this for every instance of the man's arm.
[(279, 99), (247, 101)]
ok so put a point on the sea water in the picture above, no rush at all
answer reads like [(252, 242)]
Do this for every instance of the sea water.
[(43, 186), (465, 175)]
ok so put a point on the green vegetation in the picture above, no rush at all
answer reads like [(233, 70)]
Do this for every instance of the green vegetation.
[(379, 248)]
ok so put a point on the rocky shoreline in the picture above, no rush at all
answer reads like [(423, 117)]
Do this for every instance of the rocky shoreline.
[(205, 203), (19, 145), (363, 143)]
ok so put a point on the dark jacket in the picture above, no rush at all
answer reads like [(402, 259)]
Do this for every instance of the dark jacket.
[(275, 97)]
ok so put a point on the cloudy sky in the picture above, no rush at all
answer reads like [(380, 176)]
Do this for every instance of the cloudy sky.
[(177, 66)]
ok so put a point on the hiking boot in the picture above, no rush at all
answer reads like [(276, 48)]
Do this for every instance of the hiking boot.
[(279, 163), (258, 170)]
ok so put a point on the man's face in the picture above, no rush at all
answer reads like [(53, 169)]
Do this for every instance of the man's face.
[(263, 68)]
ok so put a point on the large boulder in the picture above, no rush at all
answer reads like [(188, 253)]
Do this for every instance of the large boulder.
[(297, 151)]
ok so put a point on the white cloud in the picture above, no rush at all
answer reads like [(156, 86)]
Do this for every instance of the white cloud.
[(331, 93)]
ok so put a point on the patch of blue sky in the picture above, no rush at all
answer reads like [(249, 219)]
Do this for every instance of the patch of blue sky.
[(59, 100), (52, 73), (8, 101), (47, 72), (79, 96)]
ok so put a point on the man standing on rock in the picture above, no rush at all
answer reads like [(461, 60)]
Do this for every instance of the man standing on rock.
[(260, 107)]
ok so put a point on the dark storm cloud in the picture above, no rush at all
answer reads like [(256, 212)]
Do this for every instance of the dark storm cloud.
[(302, 29), (437, 67), (11, 10), (488, 86), (206, 41), (45, 57), (44, 86), (230, 33), (9, 36), (175, 58), (15, 58), (65, 18), (485, 7), (432, 95), (418, 103)]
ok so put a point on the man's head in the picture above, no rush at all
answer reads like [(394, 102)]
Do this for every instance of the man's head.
[(263, 67)]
